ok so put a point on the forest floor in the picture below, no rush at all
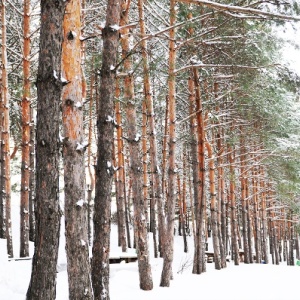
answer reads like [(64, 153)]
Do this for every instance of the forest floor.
[(243, 282)]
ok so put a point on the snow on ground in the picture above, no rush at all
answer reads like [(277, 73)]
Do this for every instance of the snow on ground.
[(244, 282)]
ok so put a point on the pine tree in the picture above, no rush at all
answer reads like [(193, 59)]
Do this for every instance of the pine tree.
[(48, 214)]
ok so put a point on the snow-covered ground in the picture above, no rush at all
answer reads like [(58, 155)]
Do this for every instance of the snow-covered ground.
[(244, 282)]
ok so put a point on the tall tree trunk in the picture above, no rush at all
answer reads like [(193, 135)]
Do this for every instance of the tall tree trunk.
[(2, 198), (213, 208), (163, 178), (156, 183), (76, 223), (120, 181), (171, 196), (6, 138), (200, 206), (185, 221), (25, 166), (221, 195), (249, 221), (104, 168), (149, 213), (243, 179), (264, 224), (32, 179), (91, 186), (193, 152), (140, 221), (49, 87), (257, 236), (233, 216)]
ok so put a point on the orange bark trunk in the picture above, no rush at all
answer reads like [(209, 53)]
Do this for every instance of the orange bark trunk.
[(25, 172), (76, 207)]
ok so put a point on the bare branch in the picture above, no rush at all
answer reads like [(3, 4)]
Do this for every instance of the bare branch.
[(238, 9)]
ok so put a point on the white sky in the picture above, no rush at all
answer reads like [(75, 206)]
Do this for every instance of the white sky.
[(290, 53)]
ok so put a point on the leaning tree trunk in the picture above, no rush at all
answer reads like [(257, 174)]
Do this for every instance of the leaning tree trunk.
[(104, 168), (76, 223), (140, 222), (6, 192), (25, 166), (48, 214)]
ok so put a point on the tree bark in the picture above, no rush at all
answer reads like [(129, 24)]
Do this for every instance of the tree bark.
[(199, 265), (6, 138), (264, 225), (243, 179), (136, 167), (120, 186), (168, 242), (2, 204), (25, 171), (257, 236), (233, 216), (76, 222), (49, 87), (156, 182), (32, 179), (214, 208), (104, 168)]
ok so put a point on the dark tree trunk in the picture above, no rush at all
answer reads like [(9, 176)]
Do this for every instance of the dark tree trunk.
[(32, 180), (243, 179), (233, 206), (48, 214), (199, 265), (104, 168), (249, 223)]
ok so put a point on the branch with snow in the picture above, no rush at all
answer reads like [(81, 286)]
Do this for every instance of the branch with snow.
[(238, 9), (81, 147)]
